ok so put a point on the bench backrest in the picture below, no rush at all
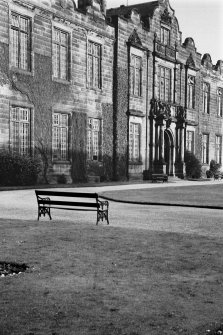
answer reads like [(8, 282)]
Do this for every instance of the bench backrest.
[(45, 201), (66, 194)]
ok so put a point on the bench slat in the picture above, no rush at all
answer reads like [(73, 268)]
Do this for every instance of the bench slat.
[(68, 203), (67, 194)]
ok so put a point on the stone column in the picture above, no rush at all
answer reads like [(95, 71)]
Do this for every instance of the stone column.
[(161, 143), (178, 144), (182, 145), (156, 143)]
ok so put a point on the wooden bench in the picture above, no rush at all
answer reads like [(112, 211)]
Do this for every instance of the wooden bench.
[(159, 177), (92, 203)]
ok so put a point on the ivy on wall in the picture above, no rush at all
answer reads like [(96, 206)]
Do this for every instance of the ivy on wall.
[(43, 93), (78, 147), (121, 126)]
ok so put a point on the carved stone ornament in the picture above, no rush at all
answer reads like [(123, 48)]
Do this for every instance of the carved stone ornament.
[(134, 38), (67, 4), (160, 109), (166, 18), (190, 62)]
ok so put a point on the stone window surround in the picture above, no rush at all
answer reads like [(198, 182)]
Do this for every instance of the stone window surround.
[(94, 38), (220, 101), (138, 53), (165, 28), (137, 120), (68, 30), (62, 110), (29, 13), (206, 97), (100, 143), (205, 161), (218, 153), (14, 103), (191, 130)]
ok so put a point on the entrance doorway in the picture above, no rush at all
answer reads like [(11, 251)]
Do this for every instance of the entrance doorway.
[(168, 152)]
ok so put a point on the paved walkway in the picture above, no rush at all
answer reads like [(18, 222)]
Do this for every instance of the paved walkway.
[(18, 207)]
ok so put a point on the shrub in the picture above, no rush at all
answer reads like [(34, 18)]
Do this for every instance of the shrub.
[(193, 165), (214, 169), (61, 179), (17, 170), (214, 166)]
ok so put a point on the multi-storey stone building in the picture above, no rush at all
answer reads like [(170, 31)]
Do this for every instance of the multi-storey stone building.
[(114, 94)]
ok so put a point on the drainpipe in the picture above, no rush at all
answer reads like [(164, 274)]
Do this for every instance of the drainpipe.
[(128, 113), (147, 107)]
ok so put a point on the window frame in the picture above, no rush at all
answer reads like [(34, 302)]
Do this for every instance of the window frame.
[(58, 137), (15, 134), (206, 98), (218, 149), (18, 63), (133, 157), (92, 83), (164, 90), (58, 75), (190, 141), (205, 149), (164, 35), (91, 131), (135, 75), (191, 91), (220, 102)]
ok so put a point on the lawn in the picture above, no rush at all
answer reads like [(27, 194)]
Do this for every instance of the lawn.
[(108, 280), (203, 195)]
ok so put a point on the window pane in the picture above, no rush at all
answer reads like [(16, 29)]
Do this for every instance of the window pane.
[(15, 20), (15, 47), (136, 75), (24, 51), (24, 24), (56, 60), (63, 58), (219, 101), (206, 92), (94, 139), (218, 149)]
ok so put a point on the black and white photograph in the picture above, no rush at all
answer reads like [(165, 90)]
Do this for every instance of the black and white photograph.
[(111, 167)]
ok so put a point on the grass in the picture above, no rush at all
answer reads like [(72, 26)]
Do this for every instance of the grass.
[(108, 280), (203, 195)]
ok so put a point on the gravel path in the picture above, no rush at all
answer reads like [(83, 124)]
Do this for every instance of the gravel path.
[(22, 205)]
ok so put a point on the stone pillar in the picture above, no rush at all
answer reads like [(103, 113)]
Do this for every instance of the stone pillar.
[(182, 145), (178, 144), (156, 143), (161, 143)]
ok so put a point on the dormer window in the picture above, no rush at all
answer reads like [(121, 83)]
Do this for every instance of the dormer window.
[(165, 35)]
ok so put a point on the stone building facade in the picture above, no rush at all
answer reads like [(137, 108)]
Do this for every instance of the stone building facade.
[(105, 94)]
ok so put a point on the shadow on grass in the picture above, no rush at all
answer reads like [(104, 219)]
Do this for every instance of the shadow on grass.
[(102, 280)]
